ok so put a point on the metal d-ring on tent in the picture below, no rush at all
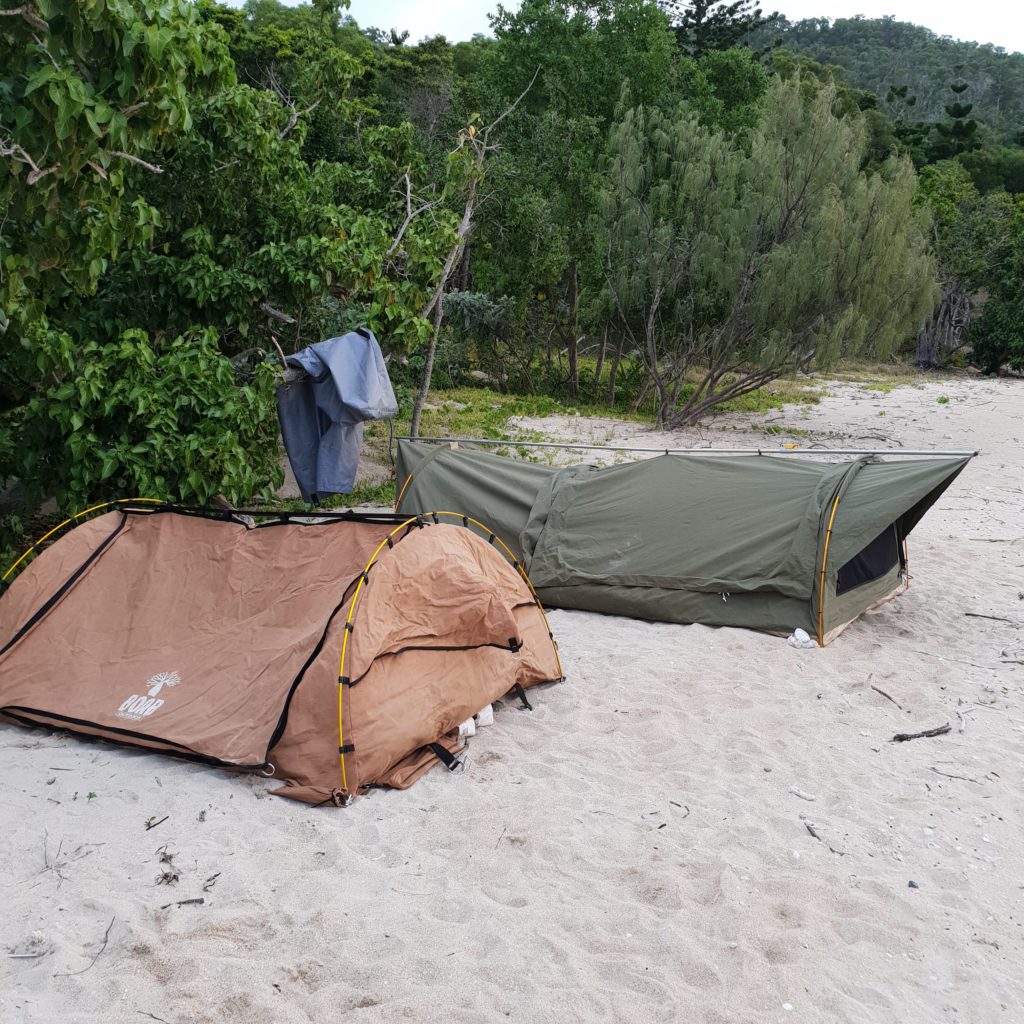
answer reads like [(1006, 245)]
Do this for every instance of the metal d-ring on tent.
[(190, 632), (736, 537)]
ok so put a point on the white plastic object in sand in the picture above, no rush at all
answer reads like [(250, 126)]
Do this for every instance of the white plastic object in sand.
[(485, 716), (800, 639), (467, 728)]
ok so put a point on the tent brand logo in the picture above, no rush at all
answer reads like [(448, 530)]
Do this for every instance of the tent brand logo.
[(142, 705)]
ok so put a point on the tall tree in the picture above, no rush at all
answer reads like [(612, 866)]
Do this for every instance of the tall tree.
[(732, 263), (705, 25)]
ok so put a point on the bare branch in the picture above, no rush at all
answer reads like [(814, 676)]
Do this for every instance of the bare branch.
[(19, 153), (152, 168), (275, 314), (30, 13), (410, 214), (294, 119), (522, 96)]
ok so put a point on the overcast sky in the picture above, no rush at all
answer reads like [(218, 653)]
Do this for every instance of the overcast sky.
[(1000, 22)]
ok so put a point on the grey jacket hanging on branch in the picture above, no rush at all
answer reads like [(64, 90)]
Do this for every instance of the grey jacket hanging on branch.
[(322, 414)]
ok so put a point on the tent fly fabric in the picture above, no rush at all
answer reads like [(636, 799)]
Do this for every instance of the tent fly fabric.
[(764, 542), (334, 655)]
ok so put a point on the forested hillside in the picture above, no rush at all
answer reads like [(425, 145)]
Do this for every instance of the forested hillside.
[(878, 53), (615, 203)]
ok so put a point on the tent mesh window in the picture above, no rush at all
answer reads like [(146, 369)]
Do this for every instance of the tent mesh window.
[(871, 562)]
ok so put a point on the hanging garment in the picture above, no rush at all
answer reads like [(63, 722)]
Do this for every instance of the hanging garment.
[(322, 415)]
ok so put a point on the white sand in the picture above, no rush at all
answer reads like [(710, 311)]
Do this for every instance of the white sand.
[(542, 886)]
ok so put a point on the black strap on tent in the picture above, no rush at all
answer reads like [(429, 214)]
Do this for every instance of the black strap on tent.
[(445, 756), (66, 586), (521, 694)]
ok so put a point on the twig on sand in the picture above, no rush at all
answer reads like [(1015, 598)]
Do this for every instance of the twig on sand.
[(153, 824), (994, 618), (958, 661), (153, 1016), (797, 791), (810, 828), (902, 737), (887, 697), (946, 775), (106, 936), (184, 903), (502, 836)]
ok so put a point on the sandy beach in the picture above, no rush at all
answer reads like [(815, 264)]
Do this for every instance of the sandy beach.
[(700, 825)]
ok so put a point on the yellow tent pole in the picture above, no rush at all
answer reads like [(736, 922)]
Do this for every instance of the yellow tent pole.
[(59, 526), (520, 569), (344, 642), (398, 500), (821, 582), (359, 587)]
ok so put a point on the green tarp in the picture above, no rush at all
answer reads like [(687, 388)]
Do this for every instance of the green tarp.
[(721, 540)]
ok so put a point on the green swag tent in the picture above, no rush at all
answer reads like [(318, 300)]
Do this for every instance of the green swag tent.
[(728, 540)]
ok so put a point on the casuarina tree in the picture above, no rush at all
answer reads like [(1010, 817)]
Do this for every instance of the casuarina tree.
[(733, 262)]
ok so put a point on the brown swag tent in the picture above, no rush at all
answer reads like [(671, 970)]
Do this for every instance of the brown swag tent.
[(334, 655)]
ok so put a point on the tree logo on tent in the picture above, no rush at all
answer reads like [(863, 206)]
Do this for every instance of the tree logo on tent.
[(141, 705)]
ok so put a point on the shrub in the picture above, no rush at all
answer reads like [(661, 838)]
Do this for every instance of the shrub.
[(142, 418), (997, 336)]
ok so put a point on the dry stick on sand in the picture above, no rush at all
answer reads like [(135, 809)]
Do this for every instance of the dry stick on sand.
[(946, 775), (184, 903), (994, 618), (887, 697), (902, 737), (106, 935)]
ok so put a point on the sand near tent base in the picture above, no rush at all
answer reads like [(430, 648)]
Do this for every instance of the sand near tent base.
[(700, 825)]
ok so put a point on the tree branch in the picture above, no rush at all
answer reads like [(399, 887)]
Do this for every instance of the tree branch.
[(30, 13), (294, 119), (152, 168), (275, 314)]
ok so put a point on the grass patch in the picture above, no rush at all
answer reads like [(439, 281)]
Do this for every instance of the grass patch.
[(888, 385)]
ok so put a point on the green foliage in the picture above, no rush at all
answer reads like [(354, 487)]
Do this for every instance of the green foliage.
[(703, 26), (875, 53), (997, 336), (979, 247), (750, 260), (144, 419), (88, 92)]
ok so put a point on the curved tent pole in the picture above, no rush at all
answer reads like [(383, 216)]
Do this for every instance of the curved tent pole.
[(389, 543), (852, 470), (821, 582), (386, 542), (60, 526)]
